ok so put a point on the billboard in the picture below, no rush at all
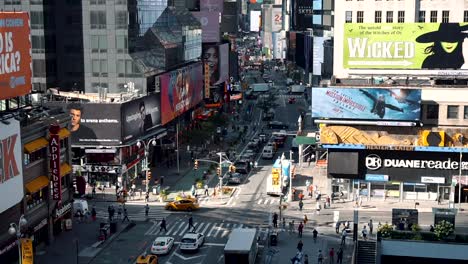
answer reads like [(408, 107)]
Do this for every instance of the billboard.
[(217, 57), (181, 90), (302, 14), (255, 17), (405, 46), (140, 117), (94, 124), (276, 19), (11, 169), (15, 55), (211, 5), (368, 103), (210, 25)]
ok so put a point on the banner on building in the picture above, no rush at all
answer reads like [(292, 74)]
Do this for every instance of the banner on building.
[(15, 55), (54, 150), (368, 104), (405, 46), (11, 165), (140, 117), (27, 255)]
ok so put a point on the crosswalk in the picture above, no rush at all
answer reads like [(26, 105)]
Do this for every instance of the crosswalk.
[(157, 213), (209, 229), (268, 201)]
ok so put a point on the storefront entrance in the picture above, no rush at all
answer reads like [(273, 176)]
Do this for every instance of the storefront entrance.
[(444, 193)]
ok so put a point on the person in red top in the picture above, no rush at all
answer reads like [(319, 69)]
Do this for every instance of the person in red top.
[(332, 255)]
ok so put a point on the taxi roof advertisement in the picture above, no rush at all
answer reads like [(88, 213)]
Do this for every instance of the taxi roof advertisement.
[(405, 46), (15, 55)]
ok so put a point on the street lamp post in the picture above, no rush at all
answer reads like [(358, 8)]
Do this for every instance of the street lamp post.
[(15, 229), (290, 198), (281, 188), (146, 146)]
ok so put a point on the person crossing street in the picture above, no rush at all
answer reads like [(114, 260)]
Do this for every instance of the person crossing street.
[(146, 210), (301, 204), (300, 228), (275, 220), (315, 234), (125, 213), (190, 222), (163, 225)]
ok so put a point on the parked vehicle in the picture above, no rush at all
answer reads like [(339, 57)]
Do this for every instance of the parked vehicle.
[(242, 246)]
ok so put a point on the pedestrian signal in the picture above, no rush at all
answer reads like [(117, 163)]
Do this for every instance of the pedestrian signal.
[(196, 165)]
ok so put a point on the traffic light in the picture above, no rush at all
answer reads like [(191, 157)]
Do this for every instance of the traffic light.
[(195, 167), (218, 171)]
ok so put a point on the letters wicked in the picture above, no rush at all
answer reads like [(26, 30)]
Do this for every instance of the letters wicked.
[(360, 48)]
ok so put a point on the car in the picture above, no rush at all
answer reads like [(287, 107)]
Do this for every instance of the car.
[(235, 178), (192, 241), (292, 100), (277, 125), (147, 259), (279, 140), (252, 145), (182, 205), (242, 166), (162, 245)]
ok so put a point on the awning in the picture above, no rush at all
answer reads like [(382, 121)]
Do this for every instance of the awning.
[(301, 140), (37, 184), (63, 133), (65, 168), (35, 145)]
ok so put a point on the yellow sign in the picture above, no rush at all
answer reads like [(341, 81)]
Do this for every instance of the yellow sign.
[(275, 175), (27, 251), (207, 80)]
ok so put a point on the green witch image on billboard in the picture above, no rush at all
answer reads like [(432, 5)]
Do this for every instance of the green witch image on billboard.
[(406, 46)]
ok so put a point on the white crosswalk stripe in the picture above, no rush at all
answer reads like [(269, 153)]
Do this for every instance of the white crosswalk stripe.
[(209, 229), (268, 201), (153, 214)]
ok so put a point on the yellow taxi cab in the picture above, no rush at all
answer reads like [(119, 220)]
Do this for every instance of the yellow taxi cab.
[(182, 205), (147, 259)]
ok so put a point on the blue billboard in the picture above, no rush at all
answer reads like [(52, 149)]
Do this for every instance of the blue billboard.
[(366, 103)]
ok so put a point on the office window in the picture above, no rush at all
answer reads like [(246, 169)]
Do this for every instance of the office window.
[(401, 16), (37, 20), (121, 43), (121, 20), (433, 16), (38, 44), (97, 2), (465, 16), (378, 17), (98, 43), (389, 17), (349, 17), (39, 68), (126, 68), (99, 68), (465, 112), (98, 19), (35, 2), (12, 2), (360, 17), (445, 16), (120, 2), (432, 111), (452, 112), (422, 16)]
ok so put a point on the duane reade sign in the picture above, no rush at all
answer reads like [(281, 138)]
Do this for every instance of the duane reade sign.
[(375, 162)]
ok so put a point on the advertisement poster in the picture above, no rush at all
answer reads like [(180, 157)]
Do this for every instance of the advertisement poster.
[(15, 55), (405, 46), (140, 117), (210, 25), (180, 90), (255, 17), (54, 166), (11, 169), (27, 251), (368, 104), (217, 58), (276, 19), (94, 124), (211, 5)]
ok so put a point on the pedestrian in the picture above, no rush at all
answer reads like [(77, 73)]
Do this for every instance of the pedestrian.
[(87, 216), (93, 213), (431, 229), (320, 257), (306, 259), (332, 255), (360, 200), (94, 191), (364, 233), (371, 226), (275, 220), (337, 227), (147, 197), (301, 196), (439, 199), (291, 227), (315, 234), (300, 245), (109, 212), (161, 180), (125, 213), (317, 207), (305, 219), (119, 212), (301, 204), (206, 189), (80, 216), (339, 256), (190, 223), (193, 189), (146, 210), (283, 224), (163, 225), (343, 237), (300, 228)]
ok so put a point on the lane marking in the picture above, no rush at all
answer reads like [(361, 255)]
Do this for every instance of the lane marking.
[(199, 227), (226, 230), (260, 201), (211, 230), (218, 229), (204, 230), (172, 228)]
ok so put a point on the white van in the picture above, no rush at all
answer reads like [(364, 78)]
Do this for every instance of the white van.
[(267, 152), (80, 205)]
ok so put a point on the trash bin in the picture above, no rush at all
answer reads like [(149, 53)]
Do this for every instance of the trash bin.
[(113, 227)]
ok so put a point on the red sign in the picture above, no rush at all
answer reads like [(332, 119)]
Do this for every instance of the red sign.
[(15, 55), (54, 148)]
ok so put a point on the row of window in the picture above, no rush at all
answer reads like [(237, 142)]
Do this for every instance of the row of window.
[(452, 112), (99, 43), (401, 16), (125, 68), (98, 20)]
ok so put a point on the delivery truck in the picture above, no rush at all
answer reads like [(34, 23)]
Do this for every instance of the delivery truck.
[(273, 181), (241, 247)]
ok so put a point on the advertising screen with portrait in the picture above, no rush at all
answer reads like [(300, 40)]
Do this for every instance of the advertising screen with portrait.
[(93, 124), (181, 90), (406, 46), (367, 104), (217, 57), (140, 117)]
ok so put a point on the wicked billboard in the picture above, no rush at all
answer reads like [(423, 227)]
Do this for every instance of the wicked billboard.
[(405, 46), (140, 117), (367, 104), (181, 90), (93, 123)]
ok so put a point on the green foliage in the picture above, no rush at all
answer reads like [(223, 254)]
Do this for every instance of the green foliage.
[(443, 229), (415, 228), (385, 230)]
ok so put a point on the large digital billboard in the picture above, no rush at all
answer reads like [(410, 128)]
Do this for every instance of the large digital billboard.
[(367, 104), (93, 123), (217, 57), (11, 165), (181, 90), (140, 117), (255, 20), (210, 25), (405, 46), (15, 54)]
